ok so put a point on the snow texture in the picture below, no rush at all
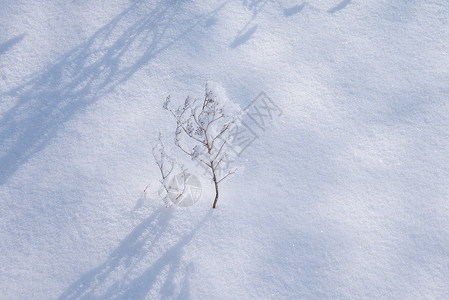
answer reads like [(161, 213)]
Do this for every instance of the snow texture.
[(345, 188)]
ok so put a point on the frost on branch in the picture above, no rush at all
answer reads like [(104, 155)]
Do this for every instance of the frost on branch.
[(167, 165), (202, 129)]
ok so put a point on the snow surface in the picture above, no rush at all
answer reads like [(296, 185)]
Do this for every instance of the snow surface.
[(343, 196)]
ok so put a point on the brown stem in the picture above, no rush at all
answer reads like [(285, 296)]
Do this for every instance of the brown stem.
[(214, 178), (216, 194)]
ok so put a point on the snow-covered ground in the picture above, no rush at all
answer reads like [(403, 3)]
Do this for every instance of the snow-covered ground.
[(345, 195)]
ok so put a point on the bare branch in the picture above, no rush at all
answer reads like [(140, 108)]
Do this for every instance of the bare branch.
[(201, 122), (223, 130), (229, 173), (180, 125), (219, 151), (185, 151)]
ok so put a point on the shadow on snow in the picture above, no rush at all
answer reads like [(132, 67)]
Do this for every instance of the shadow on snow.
[(133, 270), (83, 75), (6, 46)]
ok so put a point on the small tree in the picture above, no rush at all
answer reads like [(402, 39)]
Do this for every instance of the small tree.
[(167, 165), (202, 126)]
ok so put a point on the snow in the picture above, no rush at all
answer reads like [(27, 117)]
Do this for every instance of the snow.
[(344, 194)]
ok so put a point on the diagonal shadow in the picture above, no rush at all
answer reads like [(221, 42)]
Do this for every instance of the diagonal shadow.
[(85, 74), (244, 34), (257, 6), (116, 277), (288, 12), (129, 252), (139, 287), (10, 43), (339, 6)]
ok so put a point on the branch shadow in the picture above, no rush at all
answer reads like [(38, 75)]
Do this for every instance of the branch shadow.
[(6, 46), (244, 34), (257, 6), (288, 12), (83, 75), (243, 37), (121, 275), (339, 6)]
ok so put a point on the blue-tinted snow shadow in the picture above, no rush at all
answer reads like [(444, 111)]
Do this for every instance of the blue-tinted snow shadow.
[(85, 74), (339, 6), (257, 6), (304, 180), (6, 46), (294, 10), (142, 260), (242, 38), (248, 30)]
